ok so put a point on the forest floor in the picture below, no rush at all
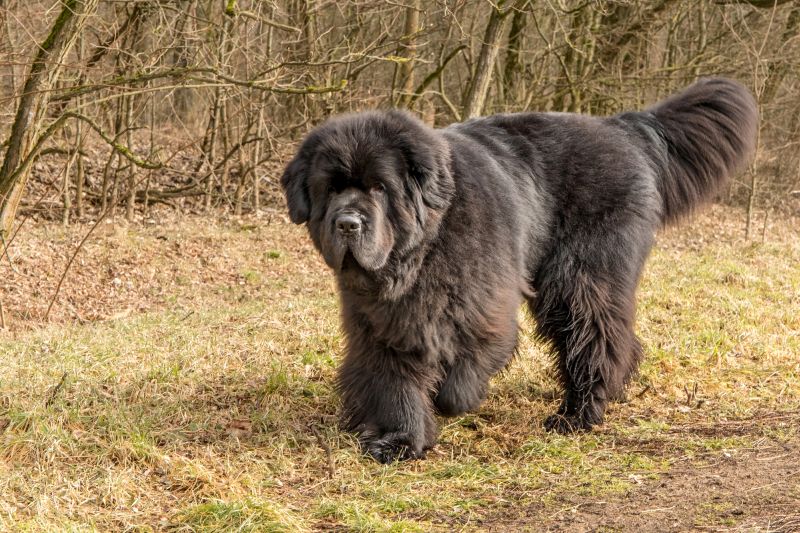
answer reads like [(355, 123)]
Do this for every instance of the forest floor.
[(183, 381)]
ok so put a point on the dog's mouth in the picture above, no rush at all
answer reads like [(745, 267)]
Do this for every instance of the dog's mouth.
[(350, 263)]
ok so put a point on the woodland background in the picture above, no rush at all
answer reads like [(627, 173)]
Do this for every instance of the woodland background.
[(108, 107)]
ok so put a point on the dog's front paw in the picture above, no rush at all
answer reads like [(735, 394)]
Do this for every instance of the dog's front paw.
[(393, 446)]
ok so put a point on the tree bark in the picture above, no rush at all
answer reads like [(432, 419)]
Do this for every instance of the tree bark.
[(512, 62), (260, 127), (475, 100), (217, 111), (130, 201), (80, 171), (408, 51), (65, 188)]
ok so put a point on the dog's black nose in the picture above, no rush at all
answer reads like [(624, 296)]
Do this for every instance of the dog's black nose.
[(348, 224)]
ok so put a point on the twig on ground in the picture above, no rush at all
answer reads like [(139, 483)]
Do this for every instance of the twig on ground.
[(690, 395), (326, 447), (2, 316), (69, 263), (55, 390), (5, 253)]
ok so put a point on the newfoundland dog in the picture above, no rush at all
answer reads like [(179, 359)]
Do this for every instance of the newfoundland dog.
[(437, 236)]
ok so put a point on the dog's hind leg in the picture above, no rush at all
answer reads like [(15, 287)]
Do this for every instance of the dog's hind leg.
[(587, 313)]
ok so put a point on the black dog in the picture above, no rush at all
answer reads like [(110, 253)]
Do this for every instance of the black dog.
[(437, 236)]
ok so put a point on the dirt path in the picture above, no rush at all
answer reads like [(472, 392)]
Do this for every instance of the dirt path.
[(742, 489)]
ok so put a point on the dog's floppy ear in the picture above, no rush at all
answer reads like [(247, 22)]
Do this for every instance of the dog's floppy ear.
[(423, 169), (295, 182), (427, 157)]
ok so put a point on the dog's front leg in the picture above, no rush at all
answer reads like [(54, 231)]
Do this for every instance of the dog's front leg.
[(386, 401)]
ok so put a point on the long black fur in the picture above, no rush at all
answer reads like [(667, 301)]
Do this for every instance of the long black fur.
[(460, 226)]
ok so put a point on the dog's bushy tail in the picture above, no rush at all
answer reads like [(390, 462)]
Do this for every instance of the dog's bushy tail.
[(707, 133)]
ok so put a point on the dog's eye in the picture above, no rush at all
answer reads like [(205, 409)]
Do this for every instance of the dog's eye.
[(378, 188)]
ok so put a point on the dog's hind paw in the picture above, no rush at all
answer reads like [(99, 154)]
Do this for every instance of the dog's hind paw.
[(566, 424)]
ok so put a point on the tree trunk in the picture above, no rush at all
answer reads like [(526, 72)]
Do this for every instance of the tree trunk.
[(115, 162), (65, 188), (216, 108), (80, 171), (184, 97), (211, 152), (238, 195), (512, 63), (475, 100), (301, 13), (44, 73), (260, 127), (130, 202), (408, 51), (146, 201)]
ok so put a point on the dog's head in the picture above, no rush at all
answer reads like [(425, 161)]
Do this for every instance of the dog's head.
[(369, 186)]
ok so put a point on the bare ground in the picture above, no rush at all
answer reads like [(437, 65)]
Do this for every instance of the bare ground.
[(754, 488)]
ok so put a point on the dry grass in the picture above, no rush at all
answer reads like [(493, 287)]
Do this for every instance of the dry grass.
[(198, 395)]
